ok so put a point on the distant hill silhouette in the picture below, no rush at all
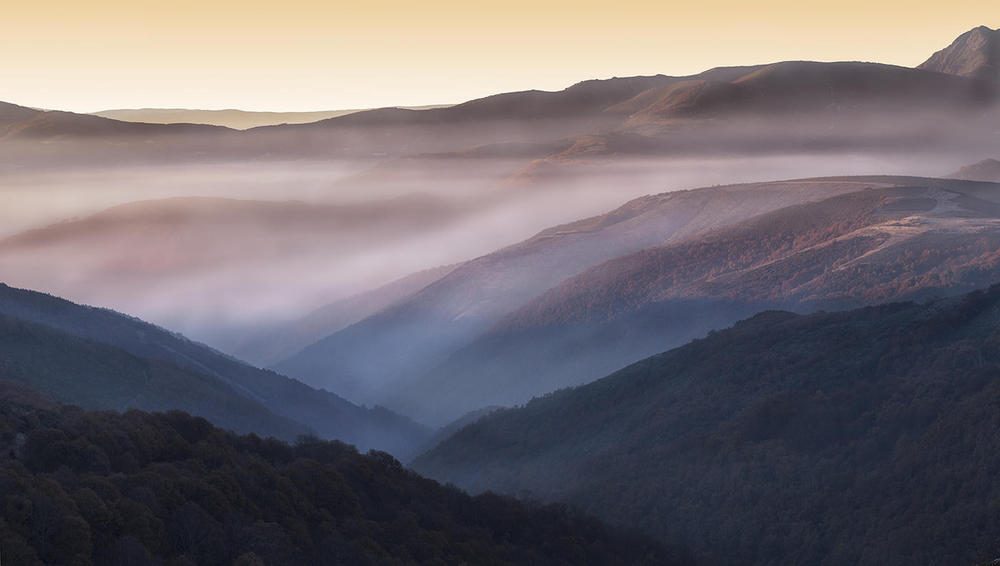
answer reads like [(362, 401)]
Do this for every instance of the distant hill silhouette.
[(821, 106), (100, 376), (236, 119), (105, 360)]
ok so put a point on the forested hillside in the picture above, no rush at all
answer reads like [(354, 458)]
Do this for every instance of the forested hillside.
[(170, 489), (101, 359), (98, 376), (861, 437)]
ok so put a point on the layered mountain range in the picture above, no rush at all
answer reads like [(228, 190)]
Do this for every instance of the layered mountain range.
[(337, 252), (122, 228), (579, 301), (142, 257), (449, 313), (806, 104), (620, 285)]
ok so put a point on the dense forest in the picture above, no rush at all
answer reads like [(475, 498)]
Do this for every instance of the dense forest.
[(866, 437), (106, 488)]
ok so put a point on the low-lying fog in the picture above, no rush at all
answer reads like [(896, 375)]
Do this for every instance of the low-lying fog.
[(36, 198), (215, 272)]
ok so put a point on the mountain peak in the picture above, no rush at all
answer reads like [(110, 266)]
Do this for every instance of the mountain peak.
[(975, 53)]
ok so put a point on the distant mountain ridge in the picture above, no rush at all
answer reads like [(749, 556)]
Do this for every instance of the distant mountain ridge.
[(799, 86), (22, 122), (792, 107), (584, 98), (961, 77), (231, 118)]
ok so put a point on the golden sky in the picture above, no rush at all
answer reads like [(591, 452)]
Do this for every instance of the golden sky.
[(311, 55)]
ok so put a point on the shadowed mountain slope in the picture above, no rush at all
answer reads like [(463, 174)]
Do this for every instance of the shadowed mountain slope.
[(923, 238), (548, 313), (325, 413), (975, 53), (52, 139), (369, 359), (98, 376), (587, 98), (11, 114), (793, 107), (798, 87), (861, 437), (527, 117), (274, 345)]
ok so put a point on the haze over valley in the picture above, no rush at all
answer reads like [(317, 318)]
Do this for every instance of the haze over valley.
[(738, 315)]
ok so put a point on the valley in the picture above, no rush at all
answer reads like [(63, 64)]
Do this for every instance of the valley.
[(745, 313)]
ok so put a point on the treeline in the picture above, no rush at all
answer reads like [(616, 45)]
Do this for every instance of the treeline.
[(169, 489)]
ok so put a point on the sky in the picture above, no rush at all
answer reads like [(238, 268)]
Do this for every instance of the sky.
[(297, 55)]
